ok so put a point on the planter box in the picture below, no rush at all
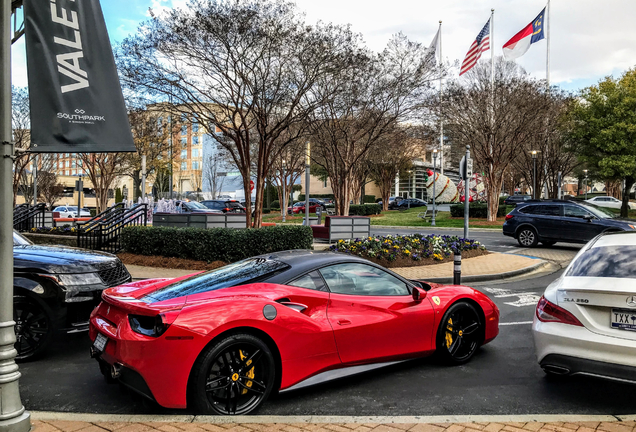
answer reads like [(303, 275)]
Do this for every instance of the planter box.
[(198, 220), (52, 239)]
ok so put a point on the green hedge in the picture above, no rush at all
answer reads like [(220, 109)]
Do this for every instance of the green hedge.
[(475, 210), (275, 204), (218, 244), (365, 209)]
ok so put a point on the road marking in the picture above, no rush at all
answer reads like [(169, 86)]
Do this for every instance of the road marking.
[(525, 298), (515, 323)]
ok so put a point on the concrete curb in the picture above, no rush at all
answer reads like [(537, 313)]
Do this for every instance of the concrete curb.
[(265, 419), (492, 277), (438, 228)]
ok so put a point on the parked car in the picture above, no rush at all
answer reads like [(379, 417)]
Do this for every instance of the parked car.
[(194, 207), (552, 221), (55, 289), (71, 212), (226, 206), (609, 202), (401, 204), (228, 338), (516, 199), (585, 323), (299, 207), (391, 200), (318, 202)]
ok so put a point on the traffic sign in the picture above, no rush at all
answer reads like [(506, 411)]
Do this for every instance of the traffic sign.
[(251, 185)]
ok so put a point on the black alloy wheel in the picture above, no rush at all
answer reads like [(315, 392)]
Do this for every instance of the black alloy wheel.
[(33, 327), (234, 376), (527, 237), (460, 334)]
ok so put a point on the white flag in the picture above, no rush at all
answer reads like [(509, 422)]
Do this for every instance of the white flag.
[(434, 48)]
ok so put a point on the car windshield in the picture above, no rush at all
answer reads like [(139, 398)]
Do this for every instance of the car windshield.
[(19, 240), (250, 270), (299, 204), (72, 208), (195, 205), (233, 204), (606, 261), (600, 212)]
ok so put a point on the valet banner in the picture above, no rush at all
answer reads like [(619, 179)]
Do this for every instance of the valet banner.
[(76, 101)]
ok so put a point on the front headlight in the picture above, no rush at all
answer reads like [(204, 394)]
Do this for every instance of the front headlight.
[(78, 279)]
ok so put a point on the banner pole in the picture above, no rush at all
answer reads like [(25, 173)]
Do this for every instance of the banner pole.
[(13, 416), (441, 123), (547, 51)]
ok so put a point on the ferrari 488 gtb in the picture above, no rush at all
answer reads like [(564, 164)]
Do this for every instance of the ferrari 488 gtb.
[(223, 340)]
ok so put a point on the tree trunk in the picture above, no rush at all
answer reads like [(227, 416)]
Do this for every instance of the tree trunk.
[(629, 182), (493, 186), (136, 184)]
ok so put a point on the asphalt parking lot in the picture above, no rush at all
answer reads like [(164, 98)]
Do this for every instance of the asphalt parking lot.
[(503, 378)]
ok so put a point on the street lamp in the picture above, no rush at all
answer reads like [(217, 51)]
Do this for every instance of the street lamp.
[(434, 178), (585, 171), (284, 192), (408, 193), (534, 175)]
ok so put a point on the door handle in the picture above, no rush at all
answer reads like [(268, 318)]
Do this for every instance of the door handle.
[(344, 322)]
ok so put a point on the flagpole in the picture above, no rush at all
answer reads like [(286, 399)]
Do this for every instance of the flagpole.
[(441, 123), (492, 47), (547, 51)]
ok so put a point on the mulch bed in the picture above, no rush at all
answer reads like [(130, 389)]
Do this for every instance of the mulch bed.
[(165, 262), (408, 262)]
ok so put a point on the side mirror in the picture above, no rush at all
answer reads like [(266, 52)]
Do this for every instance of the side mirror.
[(588, 217), (418, 294)]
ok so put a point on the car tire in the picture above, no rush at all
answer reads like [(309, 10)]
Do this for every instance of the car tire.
[(460, 334), (34, 327), (223, 383), (527, 237)]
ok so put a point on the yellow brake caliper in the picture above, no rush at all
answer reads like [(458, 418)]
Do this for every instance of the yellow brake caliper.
[(449, 334), (250, 374)]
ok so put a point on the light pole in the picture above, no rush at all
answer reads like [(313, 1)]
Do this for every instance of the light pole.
[(534, 174), (434, 178), (13, 416), (307, 180), (585, 171), (284, 193), (408, 193)]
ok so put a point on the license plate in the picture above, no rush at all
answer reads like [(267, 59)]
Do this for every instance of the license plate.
[(100, 342), (623, 319)]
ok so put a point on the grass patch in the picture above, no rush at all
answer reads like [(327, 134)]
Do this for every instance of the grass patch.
[(443, 219)]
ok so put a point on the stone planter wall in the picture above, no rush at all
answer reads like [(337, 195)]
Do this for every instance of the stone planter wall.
[(50, 239)]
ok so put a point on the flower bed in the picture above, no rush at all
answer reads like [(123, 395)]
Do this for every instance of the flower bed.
[(410, 250), (63, 230)]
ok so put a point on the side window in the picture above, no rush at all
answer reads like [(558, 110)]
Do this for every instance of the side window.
[(362, 279), (528, 209), (572, 211), (311, 281), (548, 210)]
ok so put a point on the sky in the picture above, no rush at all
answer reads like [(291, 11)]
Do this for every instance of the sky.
[(590, 39)]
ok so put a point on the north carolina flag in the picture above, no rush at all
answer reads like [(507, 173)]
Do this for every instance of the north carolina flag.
[(520, 43)]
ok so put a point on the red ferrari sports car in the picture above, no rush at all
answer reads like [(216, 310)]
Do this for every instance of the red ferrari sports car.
[(222, 341)]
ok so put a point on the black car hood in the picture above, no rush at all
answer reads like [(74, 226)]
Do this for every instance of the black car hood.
[(58, 259)]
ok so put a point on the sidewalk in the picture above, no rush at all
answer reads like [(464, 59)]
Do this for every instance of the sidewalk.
[(49, 422), (482, 268)]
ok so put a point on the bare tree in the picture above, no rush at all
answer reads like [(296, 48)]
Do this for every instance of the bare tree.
[(102, 170), (49, 188), (214, 174), (21, 124), (495, 122), (288, 172), (399, 148), (150, 137), (375, 92), (551, 146), (246, 67)]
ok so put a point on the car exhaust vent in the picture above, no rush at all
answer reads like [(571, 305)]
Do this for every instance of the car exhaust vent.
[(557, 370)]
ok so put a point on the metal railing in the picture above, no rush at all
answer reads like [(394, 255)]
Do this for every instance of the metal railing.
[(26, 217), (105, 234)]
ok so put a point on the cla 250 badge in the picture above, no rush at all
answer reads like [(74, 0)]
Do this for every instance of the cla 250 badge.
[(575, 300)]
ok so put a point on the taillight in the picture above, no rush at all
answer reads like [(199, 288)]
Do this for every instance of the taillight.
[(549, 312), (509, 216), (153, 326), (226, 209)]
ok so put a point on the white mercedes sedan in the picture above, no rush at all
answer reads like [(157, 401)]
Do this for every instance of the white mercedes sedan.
[(585, 323), (610, 202)]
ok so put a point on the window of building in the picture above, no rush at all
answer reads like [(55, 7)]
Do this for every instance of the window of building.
[(74, 172), (73, 164), (184, 165), (196, 165), (195, 153), (184, 154), (184, 141), (68, 164), (195, 127), (184, 118), (324, 183), (184, 130), (195, 139)]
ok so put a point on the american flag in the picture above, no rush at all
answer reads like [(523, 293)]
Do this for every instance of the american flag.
[(481, 44)]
